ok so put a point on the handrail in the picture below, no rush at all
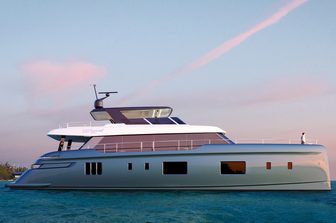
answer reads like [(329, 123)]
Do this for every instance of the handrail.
[(141, 146), (82, 124), (154, 145), (274, 141)]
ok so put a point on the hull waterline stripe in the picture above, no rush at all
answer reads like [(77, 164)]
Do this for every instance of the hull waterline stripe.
[(156, 188)]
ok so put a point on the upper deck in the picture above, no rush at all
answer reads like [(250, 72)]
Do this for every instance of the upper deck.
[(82, 133), (142, 122)]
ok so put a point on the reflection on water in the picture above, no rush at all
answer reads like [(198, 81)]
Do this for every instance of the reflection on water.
[(94, 206)]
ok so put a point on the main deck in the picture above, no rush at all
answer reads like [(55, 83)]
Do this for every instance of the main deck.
[(208, 167)]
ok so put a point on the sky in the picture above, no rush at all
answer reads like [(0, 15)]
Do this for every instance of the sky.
[(260, 70)]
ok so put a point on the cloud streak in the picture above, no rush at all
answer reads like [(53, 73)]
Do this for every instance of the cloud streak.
[(216, 52)]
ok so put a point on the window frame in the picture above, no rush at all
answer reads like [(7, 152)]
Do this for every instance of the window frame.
[(165, 168), (240, 172)]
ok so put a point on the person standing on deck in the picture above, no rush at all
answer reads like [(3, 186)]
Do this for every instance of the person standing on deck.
[(303, 138)]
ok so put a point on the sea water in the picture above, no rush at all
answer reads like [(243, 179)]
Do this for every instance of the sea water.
[(175, 206)]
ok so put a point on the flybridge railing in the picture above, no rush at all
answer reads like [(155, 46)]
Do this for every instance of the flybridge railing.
[(143, 146), (82, 124), (274, 141)]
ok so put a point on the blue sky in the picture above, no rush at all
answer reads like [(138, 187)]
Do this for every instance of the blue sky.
[(275, 84)]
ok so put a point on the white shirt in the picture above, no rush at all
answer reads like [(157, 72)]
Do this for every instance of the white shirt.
[(303, 139)]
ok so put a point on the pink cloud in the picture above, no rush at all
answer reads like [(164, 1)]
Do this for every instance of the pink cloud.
[(47, 77), (49, 84), (218, 51)]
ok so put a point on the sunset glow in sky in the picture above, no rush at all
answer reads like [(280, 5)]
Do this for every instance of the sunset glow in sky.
[(261, 70)]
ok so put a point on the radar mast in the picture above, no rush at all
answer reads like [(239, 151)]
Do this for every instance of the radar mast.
[(98, 104)]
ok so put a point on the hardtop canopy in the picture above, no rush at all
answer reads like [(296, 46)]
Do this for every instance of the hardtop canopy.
[(127, 114)]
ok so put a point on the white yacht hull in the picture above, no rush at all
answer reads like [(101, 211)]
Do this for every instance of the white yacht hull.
[(66, 170)]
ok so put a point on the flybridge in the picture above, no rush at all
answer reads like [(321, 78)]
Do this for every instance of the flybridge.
[(132, 115), (136, 115)]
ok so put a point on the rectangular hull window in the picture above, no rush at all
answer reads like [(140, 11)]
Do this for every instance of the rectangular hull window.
[(130, 167), (175, 168), (233, 167), (93, 168), (99, 169), (87, 168), (268, 165), (146, 166)]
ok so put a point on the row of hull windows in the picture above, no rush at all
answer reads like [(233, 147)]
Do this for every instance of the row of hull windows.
[(175, 168), (93, 168), (172, 168), (168, 167)]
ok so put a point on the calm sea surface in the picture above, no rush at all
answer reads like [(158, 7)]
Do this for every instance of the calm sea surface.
[(76, 206)]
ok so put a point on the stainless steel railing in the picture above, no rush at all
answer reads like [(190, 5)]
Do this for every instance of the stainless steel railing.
[(274, 141), (143, 146), (82, 124)]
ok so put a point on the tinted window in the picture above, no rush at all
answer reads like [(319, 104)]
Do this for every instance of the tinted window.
[(146, 166), (99, 169), (177, 120), (137, 143), (129, 166), (268, 165), (175, 168), (160, 121), (87, 168), (226, 138), (93, 168), (137, 121), (233, 167)]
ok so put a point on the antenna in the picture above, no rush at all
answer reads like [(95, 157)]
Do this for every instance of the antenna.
[(107, 93), (99, 101), (95, 90)]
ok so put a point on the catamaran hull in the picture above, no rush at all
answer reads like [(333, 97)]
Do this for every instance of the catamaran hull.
[(266, 167)]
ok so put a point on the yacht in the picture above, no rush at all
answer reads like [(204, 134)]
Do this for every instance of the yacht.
[(145, 148)]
